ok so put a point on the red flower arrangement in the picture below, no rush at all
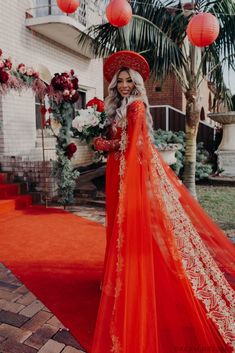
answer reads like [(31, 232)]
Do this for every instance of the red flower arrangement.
[(62, 92), (4, 76), (67, 84), (28, 71), (5, 65), (70, 150), (19, 77)]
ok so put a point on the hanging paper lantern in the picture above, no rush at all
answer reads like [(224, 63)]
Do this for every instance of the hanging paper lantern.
[(68, 6), (203, 29), (119, 13)]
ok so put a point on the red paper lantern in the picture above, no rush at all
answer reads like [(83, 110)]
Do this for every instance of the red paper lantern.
[(98, 102), (68, 6), (119, 13), (203, 29)]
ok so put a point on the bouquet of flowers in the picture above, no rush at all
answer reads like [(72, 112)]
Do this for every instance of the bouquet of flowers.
[(90, 122), (65, 87)]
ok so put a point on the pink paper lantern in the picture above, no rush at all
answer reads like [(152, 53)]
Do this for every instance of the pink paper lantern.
[(68, 6), (203, 29), (119, 13)]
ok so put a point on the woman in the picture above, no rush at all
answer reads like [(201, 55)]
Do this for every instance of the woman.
[(169, 270)]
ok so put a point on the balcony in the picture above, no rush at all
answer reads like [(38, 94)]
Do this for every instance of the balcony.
[(50, 22)]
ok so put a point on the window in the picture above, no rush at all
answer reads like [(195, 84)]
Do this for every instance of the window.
[(81, 103)]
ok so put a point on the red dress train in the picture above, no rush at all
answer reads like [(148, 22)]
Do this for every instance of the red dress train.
[(169, 270)]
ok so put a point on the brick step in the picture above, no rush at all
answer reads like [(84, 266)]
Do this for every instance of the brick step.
[(85, 195), (100, 198), (15, 203), (3, 177), (89, 202), (9, 190), (87, 190), (100, 195)]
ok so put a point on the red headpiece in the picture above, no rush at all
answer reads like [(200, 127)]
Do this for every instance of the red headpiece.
[(126, 58)]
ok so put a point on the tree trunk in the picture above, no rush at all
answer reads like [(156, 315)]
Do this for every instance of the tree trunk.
[(191, 128)]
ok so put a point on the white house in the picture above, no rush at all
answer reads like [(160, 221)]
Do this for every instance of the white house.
[(37, 33)]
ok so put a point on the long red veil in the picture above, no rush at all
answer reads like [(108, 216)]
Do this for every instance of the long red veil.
[(169, 270)]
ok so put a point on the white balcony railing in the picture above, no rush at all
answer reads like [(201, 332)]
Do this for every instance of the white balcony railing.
[(49, 21), (44, 8)]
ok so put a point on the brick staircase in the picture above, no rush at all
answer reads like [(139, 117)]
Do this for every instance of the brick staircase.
[(90, 188), (12, 195)]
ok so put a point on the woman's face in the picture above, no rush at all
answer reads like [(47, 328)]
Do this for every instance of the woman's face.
[(125, 84)]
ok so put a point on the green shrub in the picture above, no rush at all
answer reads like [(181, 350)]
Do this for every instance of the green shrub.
[(203, 168)]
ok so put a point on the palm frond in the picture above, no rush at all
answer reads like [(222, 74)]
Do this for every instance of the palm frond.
[(224, 11), (213, 68), (159, 45), (158, 31)]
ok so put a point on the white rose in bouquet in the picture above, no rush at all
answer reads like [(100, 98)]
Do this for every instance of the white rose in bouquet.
[(89, 123)]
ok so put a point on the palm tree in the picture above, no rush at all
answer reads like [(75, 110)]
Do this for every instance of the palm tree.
[(158, 32)]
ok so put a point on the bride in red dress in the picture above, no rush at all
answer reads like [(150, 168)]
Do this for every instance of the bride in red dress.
[(169, 271)]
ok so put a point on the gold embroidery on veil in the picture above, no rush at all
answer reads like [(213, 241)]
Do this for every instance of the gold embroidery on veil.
[(208, 282)]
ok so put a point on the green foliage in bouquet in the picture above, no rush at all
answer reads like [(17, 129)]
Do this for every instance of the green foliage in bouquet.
[(203, 168)]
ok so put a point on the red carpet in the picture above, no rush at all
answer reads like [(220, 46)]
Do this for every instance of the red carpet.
[(10, 198), (59, 257)]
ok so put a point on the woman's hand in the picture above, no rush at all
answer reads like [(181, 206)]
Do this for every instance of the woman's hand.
[(101, 144), (96, 142)]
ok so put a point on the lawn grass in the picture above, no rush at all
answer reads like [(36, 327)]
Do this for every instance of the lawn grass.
[(219, 203)]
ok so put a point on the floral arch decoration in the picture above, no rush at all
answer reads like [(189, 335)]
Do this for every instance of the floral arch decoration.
[(62, 91)]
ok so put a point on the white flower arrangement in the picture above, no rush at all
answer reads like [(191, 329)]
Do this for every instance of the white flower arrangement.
[(89, 123)]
